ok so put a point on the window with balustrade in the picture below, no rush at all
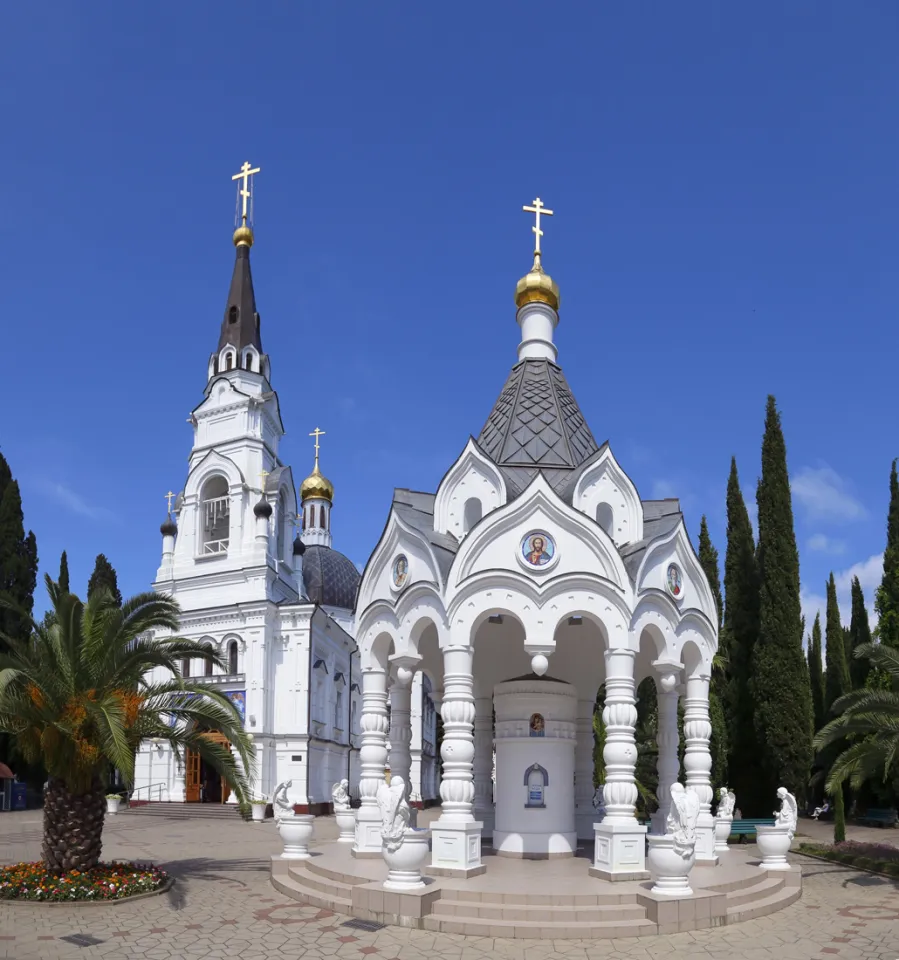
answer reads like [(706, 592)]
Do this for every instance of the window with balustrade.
[(215, 516)]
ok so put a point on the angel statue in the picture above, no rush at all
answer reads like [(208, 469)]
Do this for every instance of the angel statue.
[(395, 813), (788, 815), (283, 807), (599, 802), (681, 821), (340, 795), (727, 800)]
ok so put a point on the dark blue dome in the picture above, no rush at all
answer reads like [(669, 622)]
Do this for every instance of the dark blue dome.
[(330, 578)]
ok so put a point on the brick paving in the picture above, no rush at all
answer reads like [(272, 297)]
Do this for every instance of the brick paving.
[(223, 906)]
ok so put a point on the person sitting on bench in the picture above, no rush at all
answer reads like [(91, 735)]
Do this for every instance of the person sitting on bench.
[(820, 810)]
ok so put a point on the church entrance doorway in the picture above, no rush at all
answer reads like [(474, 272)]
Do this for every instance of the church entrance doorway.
[(202, 784)]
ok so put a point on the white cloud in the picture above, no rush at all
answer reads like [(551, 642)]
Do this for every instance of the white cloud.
[(824, 495), (821, 543), (663, 490), (869, 573), (73, 501)]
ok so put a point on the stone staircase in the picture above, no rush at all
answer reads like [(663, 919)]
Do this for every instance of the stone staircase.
[(180, 811), (481, 913)]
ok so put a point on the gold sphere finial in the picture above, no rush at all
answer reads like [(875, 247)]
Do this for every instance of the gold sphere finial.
[(243, 235)]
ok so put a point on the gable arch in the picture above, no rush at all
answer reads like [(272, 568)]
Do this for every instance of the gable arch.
[(213, 463), (474, 477), (604, 482)]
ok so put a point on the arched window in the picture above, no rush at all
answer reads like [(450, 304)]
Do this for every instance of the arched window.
[(248, 362), (215, 516), (207, 664), (229, 362), (605, 518), (215, 365), (185, 667), (353, 717), (233, 314), (232, 658), (338, 711), (282, 524), (473, 512)]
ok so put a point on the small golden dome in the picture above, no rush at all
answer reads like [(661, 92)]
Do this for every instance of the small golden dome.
[(317, 487), (537, 287), (243, 235)]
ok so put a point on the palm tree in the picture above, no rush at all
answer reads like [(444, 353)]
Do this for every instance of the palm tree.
[(78, 696), (870, 719)]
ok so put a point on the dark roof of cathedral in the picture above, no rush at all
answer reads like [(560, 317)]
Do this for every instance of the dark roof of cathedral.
[(240, 325), (330, 578), (536, 425)]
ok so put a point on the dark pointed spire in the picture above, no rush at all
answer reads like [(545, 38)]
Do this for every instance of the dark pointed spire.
[(240, 325)]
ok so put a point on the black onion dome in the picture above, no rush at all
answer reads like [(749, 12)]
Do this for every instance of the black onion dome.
[(330, 578), (263, 509), (169, 528), (299, 548)]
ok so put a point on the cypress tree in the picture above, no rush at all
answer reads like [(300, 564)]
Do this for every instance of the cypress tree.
[(18, 556), (836, 674), (779, 673), (741, 625), (63, 580), (859, 633), (708, 559), (816, 673), (887, 599), (104, 575)]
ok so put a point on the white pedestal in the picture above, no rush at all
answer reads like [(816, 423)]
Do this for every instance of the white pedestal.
[(620, 851), (705, 841), (657, 824), (368, 833), (456, 848)]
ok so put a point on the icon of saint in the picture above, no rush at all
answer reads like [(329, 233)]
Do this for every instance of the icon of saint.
[(674, 580), (537, 725), (538, 554), (400, 571)]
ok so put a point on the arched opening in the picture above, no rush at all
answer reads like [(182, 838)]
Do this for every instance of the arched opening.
[(282, 524), (185, 667), (207, 664), (472, 513), (232, 658), (215, 506), (605, 517), (233, 313), (215, 365)]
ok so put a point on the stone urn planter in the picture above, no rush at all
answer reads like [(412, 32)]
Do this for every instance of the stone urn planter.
[(405, 862), (257, 810), (112, 803), (723, 827), (669, 870), (774, 845), (346, 824), (296, 832)]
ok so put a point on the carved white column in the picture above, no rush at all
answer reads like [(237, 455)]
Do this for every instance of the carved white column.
[(483, 764), (372, 762), (457, 835), (620, 840), (698, 763), (668, 763), (585, 813), (400, 756)]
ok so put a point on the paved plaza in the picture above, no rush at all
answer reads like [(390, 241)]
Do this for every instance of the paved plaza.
[(223, 905)]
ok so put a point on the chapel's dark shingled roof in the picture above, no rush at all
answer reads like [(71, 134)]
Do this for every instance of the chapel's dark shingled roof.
[(240, 325), (330, 578), (536, 424)]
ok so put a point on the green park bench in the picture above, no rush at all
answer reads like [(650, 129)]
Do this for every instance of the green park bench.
[(746, 828), (874, 817)]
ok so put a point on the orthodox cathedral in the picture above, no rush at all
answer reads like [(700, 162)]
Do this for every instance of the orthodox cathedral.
[(532, 577)]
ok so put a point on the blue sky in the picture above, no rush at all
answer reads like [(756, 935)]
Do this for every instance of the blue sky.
[(726, 186)]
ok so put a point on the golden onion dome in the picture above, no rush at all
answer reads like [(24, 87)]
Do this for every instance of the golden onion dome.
[(537, 287), (316, 486), (243, 235)]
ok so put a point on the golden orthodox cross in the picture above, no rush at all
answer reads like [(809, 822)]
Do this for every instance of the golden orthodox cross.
[(170, 497), (317, 433), (244, 193), (262, 477), (537, 209)]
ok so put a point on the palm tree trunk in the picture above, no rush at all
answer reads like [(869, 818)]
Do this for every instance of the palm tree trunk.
[(73, 826)]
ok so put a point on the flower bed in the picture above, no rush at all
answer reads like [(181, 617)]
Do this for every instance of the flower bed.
[(880, 857), (106, 881)]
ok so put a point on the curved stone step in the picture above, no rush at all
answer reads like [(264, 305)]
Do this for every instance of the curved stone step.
[(346, 879), (766, 887), (760, 908), (543, 900), (293, 886), (459, 909), (538, 929)]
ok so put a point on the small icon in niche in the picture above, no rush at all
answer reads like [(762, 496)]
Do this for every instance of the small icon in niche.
[(538, 549), (400, 570), (675, 581), (538, 725)]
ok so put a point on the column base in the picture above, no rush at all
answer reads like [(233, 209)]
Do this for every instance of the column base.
[(620, 851), (367, 844), (456, 849), (705, 841), (658, 824)]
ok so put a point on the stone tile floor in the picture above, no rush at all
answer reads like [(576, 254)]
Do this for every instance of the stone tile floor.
[(224, 906)]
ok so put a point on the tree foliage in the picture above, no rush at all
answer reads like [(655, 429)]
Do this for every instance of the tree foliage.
[(836, 675), (708, 559), (79, 695), (740, 630), (816, 673), (104, 577), (63, 580), (18, 558), (779, 674), (887, 599)]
